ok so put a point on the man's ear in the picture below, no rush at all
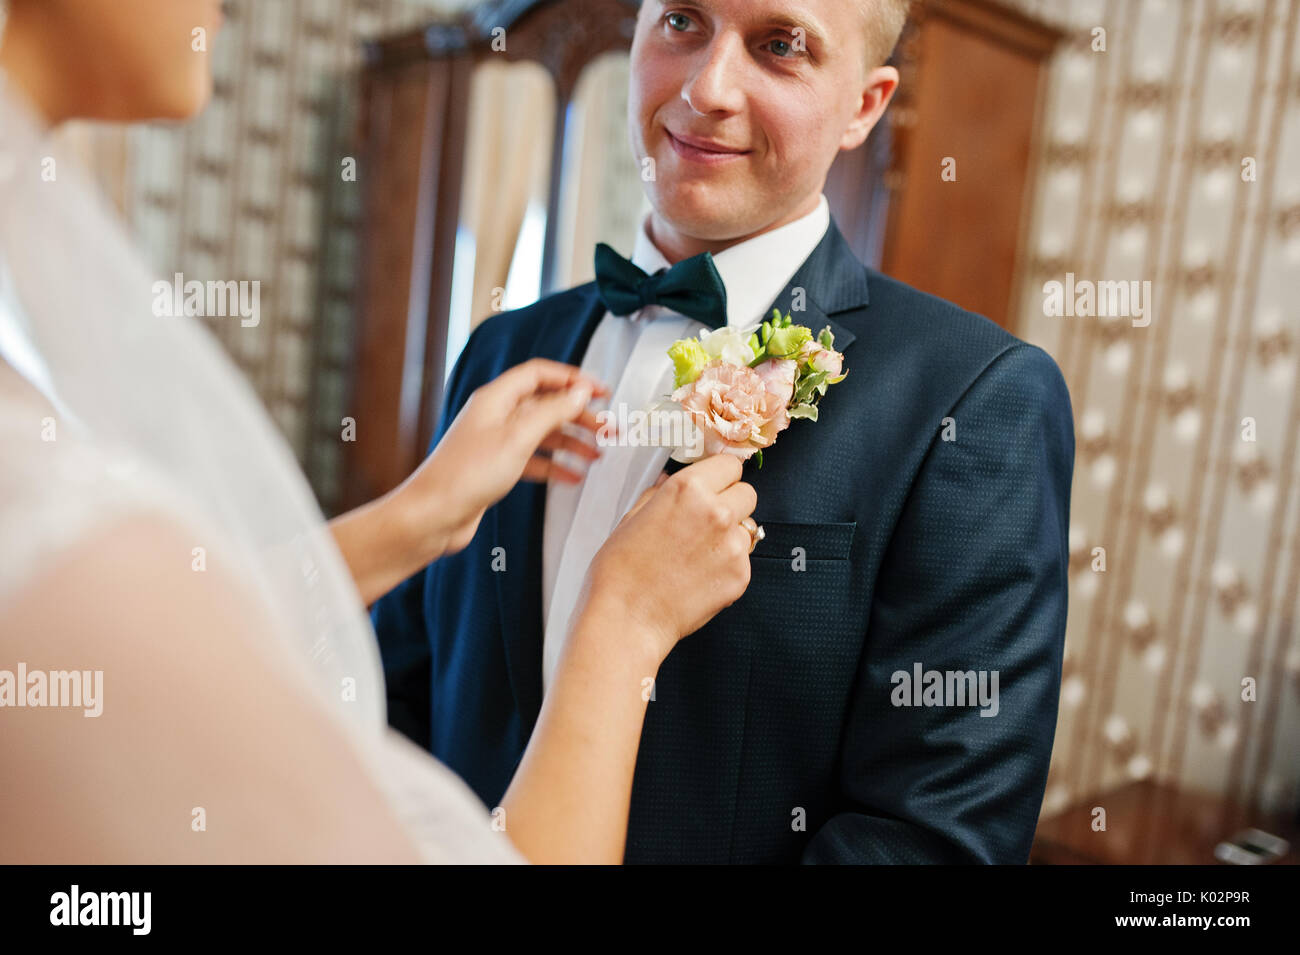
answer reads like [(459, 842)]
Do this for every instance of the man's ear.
[(877, 91)]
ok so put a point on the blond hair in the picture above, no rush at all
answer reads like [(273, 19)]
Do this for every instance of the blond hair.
[(885, 20)]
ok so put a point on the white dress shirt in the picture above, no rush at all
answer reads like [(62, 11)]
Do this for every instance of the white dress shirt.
[(630, 355)]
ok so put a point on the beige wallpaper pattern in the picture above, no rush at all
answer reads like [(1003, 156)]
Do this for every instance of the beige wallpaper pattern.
[(254, 190), (1142, 178)]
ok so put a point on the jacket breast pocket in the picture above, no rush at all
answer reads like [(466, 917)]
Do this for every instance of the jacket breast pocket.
[(789, 541), (803, 620)]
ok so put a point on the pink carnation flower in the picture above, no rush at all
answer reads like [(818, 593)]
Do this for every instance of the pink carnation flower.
[(740, 409)]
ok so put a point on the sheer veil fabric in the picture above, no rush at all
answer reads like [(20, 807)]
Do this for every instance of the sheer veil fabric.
[(150, 416)]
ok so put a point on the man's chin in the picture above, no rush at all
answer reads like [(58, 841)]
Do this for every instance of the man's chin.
[(717, 220)]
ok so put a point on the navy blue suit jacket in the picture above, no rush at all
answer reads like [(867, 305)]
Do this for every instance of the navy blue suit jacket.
[(930, 508)]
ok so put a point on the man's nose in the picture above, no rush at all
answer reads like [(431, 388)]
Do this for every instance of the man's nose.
[(715, 86)]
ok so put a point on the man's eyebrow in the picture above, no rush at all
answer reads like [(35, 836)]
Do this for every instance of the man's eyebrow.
[(812, 30)]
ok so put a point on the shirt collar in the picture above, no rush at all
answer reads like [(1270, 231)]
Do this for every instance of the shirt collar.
[(754, 271)]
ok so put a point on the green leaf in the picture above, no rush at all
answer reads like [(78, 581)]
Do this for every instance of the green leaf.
[(759, 455), (807, 385), (804, 411), (827, 338)]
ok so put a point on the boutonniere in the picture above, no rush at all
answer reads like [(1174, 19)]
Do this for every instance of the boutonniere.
[(741, 387)]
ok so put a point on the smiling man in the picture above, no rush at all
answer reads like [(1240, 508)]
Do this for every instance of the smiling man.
[(919, 525), (743, 106)]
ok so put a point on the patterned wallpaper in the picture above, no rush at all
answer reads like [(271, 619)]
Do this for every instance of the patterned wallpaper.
[(1141, 178), (1174, 158), (254, 190)]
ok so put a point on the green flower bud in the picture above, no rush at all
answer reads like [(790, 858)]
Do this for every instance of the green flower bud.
[(787, 341), (689, 360)]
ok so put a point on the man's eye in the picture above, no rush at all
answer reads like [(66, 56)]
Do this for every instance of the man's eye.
[(782, 48), (679, 22)]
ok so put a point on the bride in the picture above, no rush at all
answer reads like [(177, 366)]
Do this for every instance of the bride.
[(157, 534)]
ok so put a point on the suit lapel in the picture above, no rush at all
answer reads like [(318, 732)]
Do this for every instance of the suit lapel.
[(834, 293), (563, 333), (830, 281)]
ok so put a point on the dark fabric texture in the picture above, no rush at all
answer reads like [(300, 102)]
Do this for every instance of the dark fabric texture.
[(923, 520)]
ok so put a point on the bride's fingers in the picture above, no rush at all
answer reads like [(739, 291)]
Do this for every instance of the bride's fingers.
[(740, 499), (559, 441), (536, 418), (716, 472), (645, 496), (590, 420), (540, 376), (540, 468)]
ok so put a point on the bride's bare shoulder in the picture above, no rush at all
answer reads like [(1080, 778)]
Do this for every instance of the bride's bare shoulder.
[(59, 490), (192, 723)]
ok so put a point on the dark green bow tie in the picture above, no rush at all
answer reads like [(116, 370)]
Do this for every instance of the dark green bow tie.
[(692, 287)]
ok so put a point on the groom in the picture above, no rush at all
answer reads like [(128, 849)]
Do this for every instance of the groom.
[(886, 689)]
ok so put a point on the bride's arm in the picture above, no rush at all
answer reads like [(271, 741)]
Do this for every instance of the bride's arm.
[(505, 432), (570, 797), (383, 543), (677, 559), (194, 717)]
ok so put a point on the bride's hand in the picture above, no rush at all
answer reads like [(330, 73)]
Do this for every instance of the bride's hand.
[(678, 557), (506, 431)]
